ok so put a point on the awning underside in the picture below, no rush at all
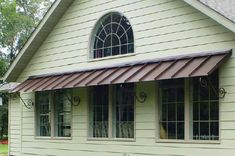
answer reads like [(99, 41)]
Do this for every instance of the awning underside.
[(166, 68)]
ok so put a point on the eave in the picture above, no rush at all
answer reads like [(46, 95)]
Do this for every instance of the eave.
[(227, 23), (40, 33)]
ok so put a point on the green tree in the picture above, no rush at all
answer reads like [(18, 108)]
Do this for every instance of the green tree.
[(18, 20), (4, 63)]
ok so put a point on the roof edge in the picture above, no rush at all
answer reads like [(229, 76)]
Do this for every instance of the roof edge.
[(212, 14), (37, 31)]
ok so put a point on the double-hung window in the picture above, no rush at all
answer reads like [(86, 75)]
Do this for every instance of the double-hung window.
[(53, 114), (205, 109), (195, 117), (43, 101), (172, 110), (112, 111)]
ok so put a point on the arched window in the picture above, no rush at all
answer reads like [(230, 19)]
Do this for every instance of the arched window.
[(113, 35)]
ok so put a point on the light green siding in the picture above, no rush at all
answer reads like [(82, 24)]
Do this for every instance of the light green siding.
[(15, 125), (161, 28)]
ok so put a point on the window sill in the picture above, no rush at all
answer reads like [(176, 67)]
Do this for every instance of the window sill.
[(52, 138), (111, 57), (112, 139), (189, 141)]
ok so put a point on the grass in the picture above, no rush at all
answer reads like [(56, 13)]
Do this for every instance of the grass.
[(3, 149)]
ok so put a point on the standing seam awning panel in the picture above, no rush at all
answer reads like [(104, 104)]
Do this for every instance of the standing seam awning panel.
[(181, 67)]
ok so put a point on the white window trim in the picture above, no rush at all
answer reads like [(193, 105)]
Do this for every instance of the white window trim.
[(110, 133), (187, 129), (52, 114), (90, 57)]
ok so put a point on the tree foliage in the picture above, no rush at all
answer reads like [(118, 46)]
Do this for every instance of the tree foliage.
[(18, 19), (4, 63)]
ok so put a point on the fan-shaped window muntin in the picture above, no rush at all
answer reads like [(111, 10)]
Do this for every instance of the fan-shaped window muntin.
[(113, 36)]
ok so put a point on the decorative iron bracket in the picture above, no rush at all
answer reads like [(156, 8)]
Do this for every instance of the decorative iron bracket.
[(141, 98), (74, 100), (205, 82), (28, 103)]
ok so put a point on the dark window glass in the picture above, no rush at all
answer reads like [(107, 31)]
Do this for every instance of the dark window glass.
[(130, 36), (108, 28), (113, 31), (116, 18), (172, 109), (206, 108), (115, 40), (107, 42), (63, 114), (99, 111), (114, 28), (115, 50), (43, 113), (123, 114)]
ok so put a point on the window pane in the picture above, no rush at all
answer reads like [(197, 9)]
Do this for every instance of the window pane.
[(130, 48), (130, 36), (106, 20), (180, 130), (125, 23), (214, 111), (102, 35), (114, 30), (180, 110), (206, 108), (43, 113), (99, 44), (123, 40), (116, 18), (98, 53), (115, 50), (171, 130), (115, 40), (123, 111), (121, 32), (172, 109), (62, 113), (164, 116), (107, 51), (214, 130), (204, 93), (107, 42), (196, 131), (107, 28), (204, 131), (163, 130), (124, 49), (204, 111), (99, 111), (195, 111)]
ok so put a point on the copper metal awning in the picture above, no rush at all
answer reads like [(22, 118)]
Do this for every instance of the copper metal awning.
[(151, 70)]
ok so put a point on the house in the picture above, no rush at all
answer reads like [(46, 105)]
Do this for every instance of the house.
[(125, 78)]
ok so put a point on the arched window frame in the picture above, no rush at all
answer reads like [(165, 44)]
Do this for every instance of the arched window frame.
[(130, 45)]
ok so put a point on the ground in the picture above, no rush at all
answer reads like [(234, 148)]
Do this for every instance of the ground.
[(3, 150)]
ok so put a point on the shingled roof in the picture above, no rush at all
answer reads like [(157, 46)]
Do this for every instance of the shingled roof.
[(224, 7)]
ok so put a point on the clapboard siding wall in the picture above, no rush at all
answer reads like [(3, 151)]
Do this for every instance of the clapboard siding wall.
[(15, 125), (145, 141), (161, 28)]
